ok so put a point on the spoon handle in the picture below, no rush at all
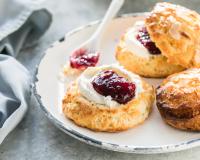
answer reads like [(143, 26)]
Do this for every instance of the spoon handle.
[(111, 12)]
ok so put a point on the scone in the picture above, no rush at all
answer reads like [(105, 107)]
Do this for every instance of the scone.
[(175, 31), (108, 98), (178, 100), (139, 54)]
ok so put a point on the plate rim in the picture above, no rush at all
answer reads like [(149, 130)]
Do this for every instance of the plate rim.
[(105, 145)]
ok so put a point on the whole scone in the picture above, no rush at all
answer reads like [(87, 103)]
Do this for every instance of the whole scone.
[(175, 31), (178, 100), (86, 107)]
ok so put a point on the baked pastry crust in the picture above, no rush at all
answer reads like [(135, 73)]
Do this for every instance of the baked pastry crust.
[(155, 66), (98, 117), (178, 100), (175, 31)]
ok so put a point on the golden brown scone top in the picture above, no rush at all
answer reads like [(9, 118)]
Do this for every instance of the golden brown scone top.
[(175, 31), (179, 95)]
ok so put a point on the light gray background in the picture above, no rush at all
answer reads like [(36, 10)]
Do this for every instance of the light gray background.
[(36, 138)]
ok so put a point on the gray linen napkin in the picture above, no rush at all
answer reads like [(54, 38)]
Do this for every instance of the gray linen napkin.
[(22, 22)]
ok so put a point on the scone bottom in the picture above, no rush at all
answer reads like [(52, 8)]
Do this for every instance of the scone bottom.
[(134, 105)]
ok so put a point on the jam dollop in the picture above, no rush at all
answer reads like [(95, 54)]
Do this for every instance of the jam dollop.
[(109, 83), (83, 58), (144, 38)]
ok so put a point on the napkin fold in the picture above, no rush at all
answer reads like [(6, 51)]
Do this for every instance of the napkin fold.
[(22, 23)]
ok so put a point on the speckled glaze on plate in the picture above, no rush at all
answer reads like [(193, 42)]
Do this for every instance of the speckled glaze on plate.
[(154, 136)]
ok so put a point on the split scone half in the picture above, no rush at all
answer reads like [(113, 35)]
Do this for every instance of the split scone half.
[(166, 42), (175, 31), (108, 98), (137, 53), (178, 100)]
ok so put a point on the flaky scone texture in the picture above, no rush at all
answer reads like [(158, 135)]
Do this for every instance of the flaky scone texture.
[(103, 118), (175, 31), (178, 100), (155, 66)]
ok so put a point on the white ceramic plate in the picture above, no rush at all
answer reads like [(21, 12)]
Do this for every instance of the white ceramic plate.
[(154, 136)]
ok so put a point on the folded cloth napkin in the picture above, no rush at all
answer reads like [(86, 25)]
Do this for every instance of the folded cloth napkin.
[(22, 22)]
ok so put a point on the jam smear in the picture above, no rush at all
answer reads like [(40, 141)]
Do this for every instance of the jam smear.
[(109, 83), (82, 58), (144, 38)]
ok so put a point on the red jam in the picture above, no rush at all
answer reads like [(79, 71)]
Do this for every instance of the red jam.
[(109, 83), (144, 38), (82, 58)]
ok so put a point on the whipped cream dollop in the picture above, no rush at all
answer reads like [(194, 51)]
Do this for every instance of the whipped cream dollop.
[(86, 88), (131, 42)]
